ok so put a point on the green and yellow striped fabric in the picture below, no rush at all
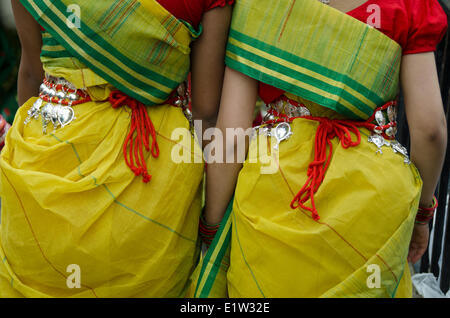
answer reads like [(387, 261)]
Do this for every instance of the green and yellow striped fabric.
[(315, 52), (210, 276), (137, 46), (51, 48)]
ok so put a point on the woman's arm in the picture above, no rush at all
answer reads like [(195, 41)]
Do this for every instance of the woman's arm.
[(428, 132), (236, 111), (30, 70), (207, 59)]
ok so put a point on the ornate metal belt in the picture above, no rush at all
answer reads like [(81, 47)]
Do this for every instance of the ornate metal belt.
[(54, 105), (57, 96), (382, 124)]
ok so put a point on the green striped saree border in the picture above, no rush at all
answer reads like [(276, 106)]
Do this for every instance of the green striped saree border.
[(51, 47), (320, 69), (212, 262), (267, 58)]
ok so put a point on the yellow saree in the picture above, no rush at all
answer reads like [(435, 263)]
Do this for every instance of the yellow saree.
[(338, 69), (75, 220)]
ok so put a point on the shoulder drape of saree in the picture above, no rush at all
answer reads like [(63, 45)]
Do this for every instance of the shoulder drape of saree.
[(335, 60), (137, 46)]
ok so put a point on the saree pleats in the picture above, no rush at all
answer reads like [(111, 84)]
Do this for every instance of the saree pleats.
[(358, 248), (367, 203), (68, 198)]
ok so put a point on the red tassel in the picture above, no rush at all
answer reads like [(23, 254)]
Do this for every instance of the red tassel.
[(141, 128), (327, 130)]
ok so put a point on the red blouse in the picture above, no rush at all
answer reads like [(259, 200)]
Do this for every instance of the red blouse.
[(192, 10), (417, 25)]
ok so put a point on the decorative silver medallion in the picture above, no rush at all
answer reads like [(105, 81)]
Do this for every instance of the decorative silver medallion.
[(378, 141), (33, 112), (397, 147), (281, 132), (65, 115), (391, 131), (59, 112), (46, 114), (54, 116), (392, 113), (379, 117), (304, 111), (268, 117)]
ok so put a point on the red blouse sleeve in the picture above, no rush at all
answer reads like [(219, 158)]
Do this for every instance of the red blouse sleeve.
[(428, 24), (192, 10), (211, 4)]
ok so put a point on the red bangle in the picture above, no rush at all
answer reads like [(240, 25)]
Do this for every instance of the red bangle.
[(425, 215), (207, 231), (432, 208)]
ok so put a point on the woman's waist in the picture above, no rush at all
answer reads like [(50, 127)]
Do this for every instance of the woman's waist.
[(380, 128), (288, 107), (277, 125), (72, 70), (58, 98)]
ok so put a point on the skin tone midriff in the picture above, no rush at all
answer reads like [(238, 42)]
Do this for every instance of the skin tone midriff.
[(346, 5)]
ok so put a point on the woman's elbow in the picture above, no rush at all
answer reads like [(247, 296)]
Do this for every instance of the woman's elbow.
[(435, 133), (30, 72), (29, 79), (207, 116)]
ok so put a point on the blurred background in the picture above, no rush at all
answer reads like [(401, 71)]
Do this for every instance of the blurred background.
[(9, 62)]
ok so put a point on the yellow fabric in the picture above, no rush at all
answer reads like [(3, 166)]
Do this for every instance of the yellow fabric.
[(79, 75), (72, 70), (367, 204), (69, 198)]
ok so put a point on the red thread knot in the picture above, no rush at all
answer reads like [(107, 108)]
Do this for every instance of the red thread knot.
[(323, 150), (141, 128)]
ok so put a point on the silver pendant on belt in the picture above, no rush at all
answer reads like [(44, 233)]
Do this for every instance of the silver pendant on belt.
[(397, 147), (183, 100), (380, 142), (280, 132), (58, 115), (46, 115), (34, 111)]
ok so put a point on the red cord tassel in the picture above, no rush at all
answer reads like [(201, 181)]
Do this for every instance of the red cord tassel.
[(139, 135), (327, 130)]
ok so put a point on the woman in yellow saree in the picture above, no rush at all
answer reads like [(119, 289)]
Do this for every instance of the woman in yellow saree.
[(326, 200), (93, 203)]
